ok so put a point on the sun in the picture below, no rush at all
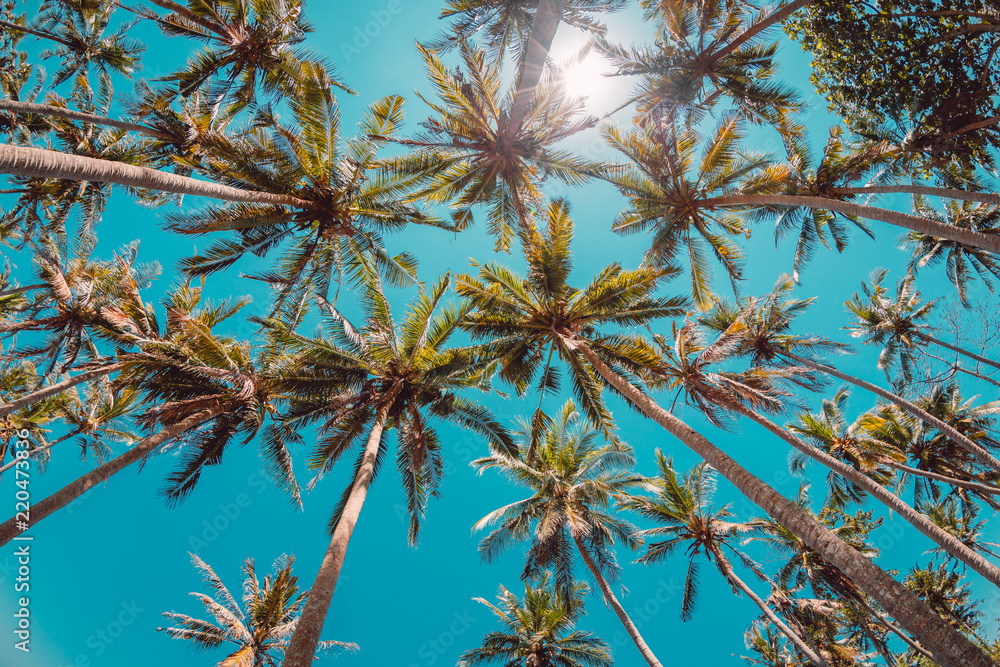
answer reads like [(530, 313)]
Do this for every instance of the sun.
[(587, 78)]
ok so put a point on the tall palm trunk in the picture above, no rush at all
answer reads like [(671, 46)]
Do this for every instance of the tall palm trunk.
[(39, 450), (64, 496), (57, 388), (24, 288), (35, 33), (955, 348), (41, 163), (612, 601), (965, 484), (775, 17), (921, 522), (798, 641), (71, 114), (907, 221), (548, 14), (965, 443), (301, 649), (948, 646), (947, 193)]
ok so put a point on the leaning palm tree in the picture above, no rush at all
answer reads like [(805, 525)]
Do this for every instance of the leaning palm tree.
[(198, 386), (537, 630), (574, 477), (358, 384), (682, 507), (469, 153), (521, 319), (257, 635)]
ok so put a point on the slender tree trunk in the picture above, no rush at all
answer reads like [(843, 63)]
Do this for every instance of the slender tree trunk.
[(965, 484), (41, 163), (920, 521), (70, 114), (34, 33), (548, 14), (181, 10), (948, 193), (948, 646), (25, 288), (12, 527), (905, 220), (797, 641), (57, 388), (968, 445), (967, 371), (35, 452), (774, 17), (612, 601), (954, 348), (301, 649)]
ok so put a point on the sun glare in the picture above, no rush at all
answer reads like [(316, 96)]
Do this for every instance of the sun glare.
[(587, 78)]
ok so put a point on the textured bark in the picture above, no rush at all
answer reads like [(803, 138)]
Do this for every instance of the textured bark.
[(41, 163), (921, 522), (775, 17), (9, 530), (612, 601), (914, 223), (797, 641), (70, 114), (57, 388), (949, 647), (301, 649), (548, 14), (981, 454), (954, 348), (948, 193)]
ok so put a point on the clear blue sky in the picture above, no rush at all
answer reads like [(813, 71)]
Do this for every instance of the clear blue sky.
[(105, 568)]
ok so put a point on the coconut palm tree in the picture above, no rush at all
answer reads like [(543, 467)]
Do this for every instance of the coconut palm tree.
[(574, 476), (520, 320), (195, 384), (896, 322), (257, 635), (248, 43), (681, 506), (943, 590), (469, 154), (358, 384), (537, 630)]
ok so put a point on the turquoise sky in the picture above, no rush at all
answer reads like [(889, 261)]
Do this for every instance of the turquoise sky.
[(105, 568)]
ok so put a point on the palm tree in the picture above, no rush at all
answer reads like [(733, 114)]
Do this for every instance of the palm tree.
[(896, 322), (519, 319), (962, 262), (942, 589), (195, 384), (469, 154), (260, 633), (537, 631), (247, 43), (681, 505), (369, 381), (574, 477)]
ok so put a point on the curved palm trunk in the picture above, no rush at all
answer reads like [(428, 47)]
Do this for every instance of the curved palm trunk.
[(41, 163), (301, 649), (947, 193), (70, 114), (548, 14), (34, 33), (57, 388), (774, 17), (981, 454), (797, 641), (35, 452), (24, 288), (907, 221), (965, 484), (949, 647), (612, 601), (64, 496), (955, 348), (941, 537)]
